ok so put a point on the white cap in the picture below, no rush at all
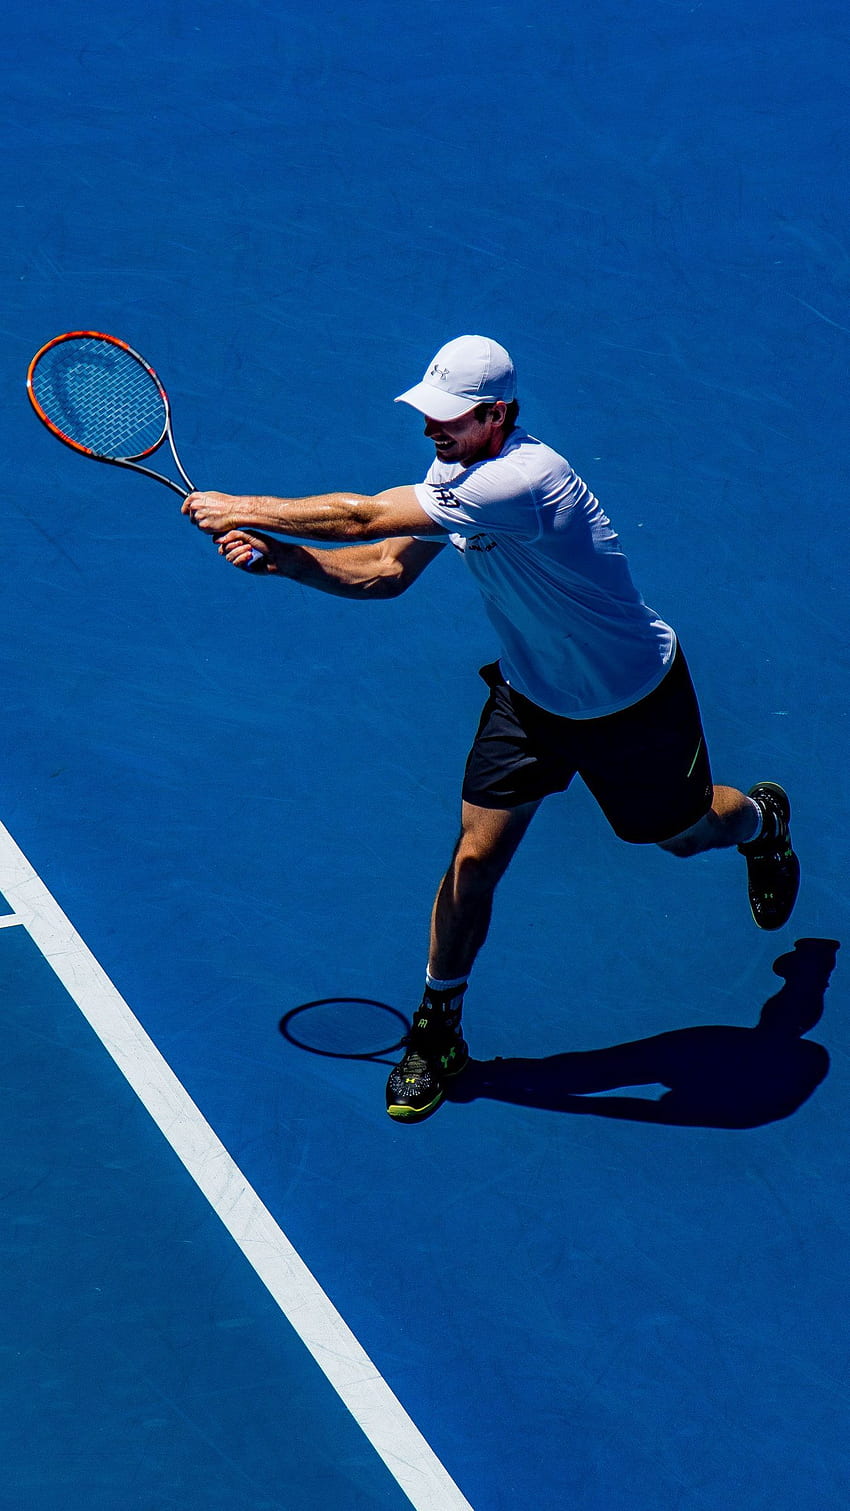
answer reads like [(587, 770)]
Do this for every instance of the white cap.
[(467, 371)]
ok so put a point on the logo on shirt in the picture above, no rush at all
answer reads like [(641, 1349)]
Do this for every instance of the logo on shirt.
[(481, 543), (447, 498)]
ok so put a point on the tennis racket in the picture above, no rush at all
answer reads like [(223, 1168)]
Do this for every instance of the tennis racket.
[(104, 400)]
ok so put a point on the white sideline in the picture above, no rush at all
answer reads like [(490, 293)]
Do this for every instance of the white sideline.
[(354, 1377)]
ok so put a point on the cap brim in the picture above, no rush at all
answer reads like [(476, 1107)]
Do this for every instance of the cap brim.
[(435, 404)]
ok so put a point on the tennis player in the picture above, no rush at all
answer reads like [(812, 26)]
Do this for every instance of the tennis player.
[(589, 680)]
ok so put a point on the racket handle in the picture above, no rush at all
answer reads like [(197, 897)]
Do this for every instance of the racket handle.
[(254, 557)]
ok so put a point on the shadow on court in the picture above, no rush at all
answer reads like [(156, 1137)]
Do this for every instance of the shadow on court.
[(346, 1028), (718, 1076)]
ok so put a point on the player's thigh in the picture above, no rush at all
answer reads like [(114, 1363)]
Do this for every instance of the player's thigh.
[(648, 767), (520, 753)]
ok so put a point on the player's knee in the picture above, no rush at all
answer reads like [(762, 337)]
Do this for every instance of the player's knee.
[(477, 867), (474, 867), (682, 845), (704, 835)]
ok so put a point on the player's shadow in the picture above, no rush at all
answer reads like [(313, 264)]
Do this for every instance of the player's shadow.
[(717, 1077)]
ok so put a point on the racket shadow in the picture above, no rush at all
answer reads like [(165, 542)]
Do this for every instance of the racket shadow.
[(346, 1028), (716, 1076)]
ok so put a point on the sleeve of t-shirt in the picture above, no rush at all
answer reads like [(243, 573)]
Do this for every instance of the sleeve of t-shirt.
[(492, 496)]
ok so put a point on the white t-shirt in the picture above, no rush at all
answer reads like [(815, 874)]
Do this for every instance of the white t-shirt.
[(575, 635)]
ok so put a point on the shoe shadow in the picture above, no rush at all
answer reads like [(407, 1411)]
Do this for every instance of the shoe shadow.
[(717, 1076)]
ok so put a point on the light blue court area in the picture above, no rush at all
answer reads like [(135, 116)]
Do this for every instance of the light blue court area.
[(611, 1273), (147, 1364)]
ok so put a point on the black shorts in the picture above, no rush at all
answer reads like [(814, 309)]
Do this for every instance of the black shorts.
[(647, 766)]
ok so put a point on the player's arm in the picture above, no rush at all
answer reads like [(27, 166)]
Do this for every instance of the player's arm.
[(329, 518), (378, 569)]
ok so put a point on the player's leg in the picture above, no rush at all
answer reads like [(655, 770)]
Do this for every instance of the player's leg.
[(436, 1049), (758, 823), (732, 819), (518, 756), (460, 920), (648, 768)]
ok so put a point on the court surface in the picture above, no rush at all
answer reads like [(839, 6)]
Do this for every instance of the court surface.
[(610, 1275)]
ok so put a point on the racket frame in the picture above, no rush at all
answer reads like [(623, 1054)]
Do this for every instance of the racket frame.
[(133, 462)]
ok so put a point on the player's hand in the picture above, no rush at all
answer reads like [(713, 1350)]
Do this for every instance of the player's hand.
[(213, 513), (250, 551)]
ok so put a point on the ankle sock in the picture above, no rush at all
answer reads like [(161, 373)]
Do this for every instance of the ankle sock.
[(761, 822), (445, 988), (446, 996), (769, 824)]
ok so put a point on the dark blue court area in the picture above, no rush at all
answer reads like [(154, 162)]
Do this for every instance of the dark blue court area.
[(610, 1273)]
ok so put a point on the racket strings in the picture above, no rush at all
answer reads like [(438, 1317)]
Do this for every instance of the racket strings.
[(100, 397)]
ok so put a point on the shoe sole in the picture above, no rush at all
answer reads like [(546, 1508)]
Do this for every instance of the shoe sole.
[(401, 1114)]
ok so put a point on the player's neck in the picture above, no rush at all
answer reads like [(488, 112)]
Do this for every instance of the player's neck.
[(493, 447)]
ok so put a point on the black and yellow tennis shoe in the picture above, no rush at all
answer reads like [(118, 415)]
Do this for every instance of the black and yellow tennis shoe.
[(773, 870), (436, 1051)]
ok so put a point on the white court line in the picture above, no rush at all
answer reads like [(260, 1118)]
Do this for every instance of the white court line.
[(354, 1377)]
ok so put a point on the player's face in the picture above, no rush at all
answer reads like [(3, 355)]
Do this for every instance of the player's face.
[(468, 439)]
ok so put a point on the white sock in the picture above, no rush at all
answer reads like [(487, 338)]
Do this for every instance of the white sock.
[(437, 985), (759, 817)]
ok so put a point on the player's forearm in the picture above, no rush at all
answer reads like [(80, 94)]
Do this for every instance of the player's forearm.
[(332, 517), (348, 572), (328, 518)]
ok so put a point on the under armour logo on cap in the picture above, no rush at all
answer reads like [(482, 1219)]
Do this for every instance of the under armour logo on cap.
[(467, 371)]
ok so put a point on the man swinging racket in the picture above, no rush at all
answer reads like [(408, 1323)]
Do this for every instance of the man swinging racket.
[(589, 680)]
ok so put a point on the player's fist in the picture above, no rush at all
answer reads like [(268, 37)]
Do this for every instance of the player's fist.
[(212, 512), (250, 552)]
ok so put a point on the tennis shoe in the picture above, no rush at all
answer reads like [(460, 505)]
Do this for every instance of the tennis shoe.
[(773, 870), (436, 1051)]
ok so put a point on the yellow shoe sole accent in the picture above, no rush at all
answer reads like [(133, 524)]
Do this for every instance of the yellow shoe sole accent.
[(404, 1114)]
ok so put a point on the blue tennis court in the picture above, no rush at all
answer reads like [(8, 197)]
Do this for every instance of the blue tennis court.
[(609, 1274)]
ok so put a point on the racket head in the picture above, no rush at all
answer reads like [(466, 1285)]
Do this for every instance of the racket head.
[(99, 396)]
